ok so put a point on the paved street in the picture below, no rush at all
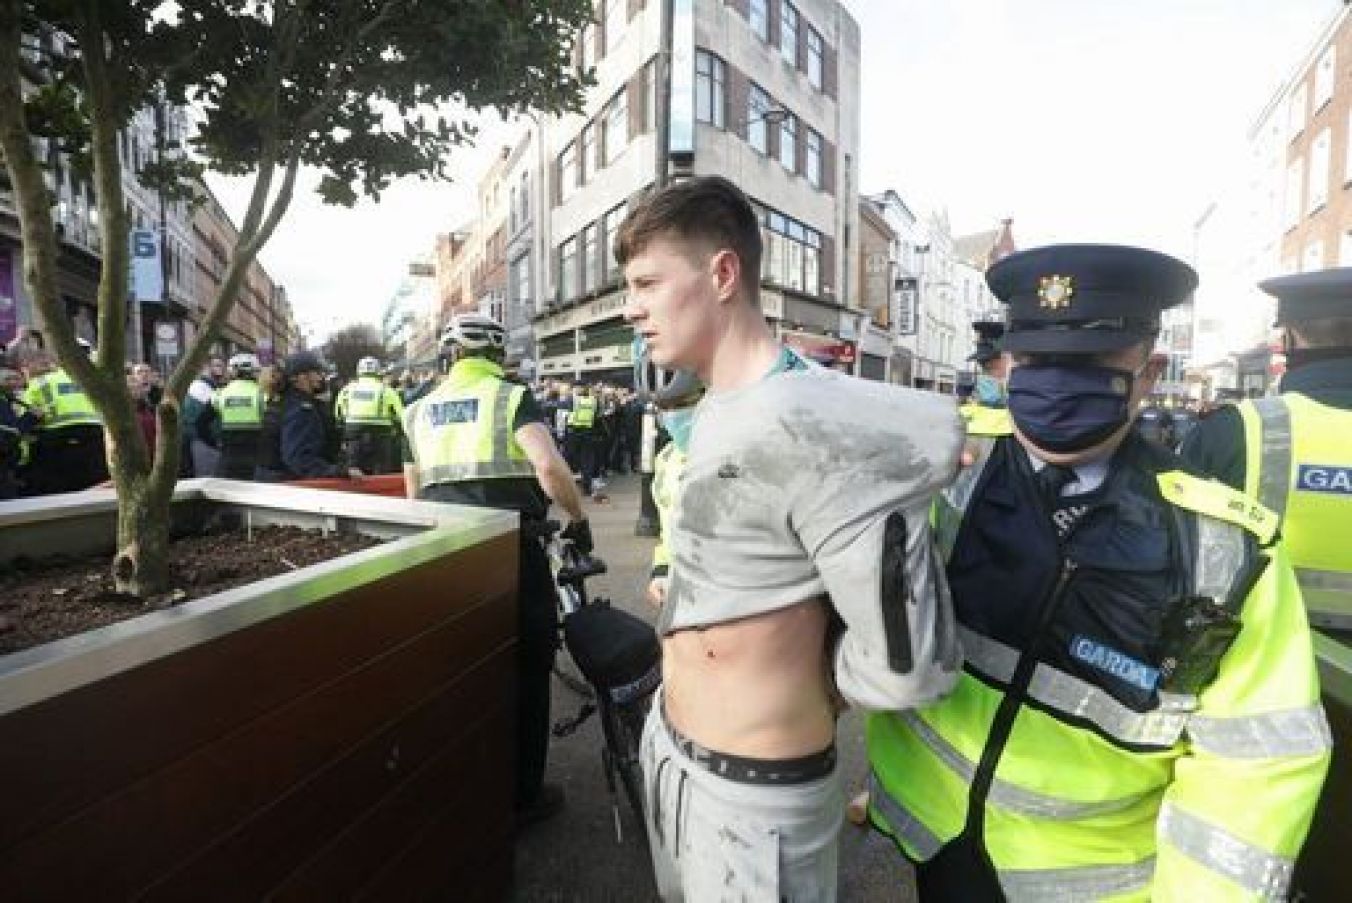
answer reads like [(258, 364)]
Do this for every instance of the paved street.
[(576, 857)]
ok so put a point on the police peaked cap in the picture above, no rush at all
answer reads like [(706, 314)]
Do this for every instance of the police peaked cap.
[(1311, 296), (1086, 299), (303, 362), (988, 333)]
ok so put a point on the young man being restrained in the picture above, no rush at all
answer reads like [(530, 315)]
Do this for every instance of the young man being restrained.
[(802, 565)]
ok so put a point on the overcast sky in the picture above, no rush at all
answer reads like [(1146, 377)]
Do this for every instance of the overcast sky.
[(1083, 120)]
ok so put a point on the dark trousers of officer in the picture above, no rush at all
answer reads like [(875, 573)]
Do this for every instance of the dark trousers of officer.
[(372, 450), (67, 459), (239, 454), (586, 456)]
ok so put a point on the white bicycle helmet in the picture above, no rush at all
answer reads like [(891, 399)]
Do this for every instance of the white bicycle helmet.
[(664, 388), (475, 332), (243, 365), (368, 366)]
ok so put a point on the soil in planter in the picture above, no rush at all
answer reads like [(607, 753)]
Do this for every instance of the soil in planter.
[(55, 598)]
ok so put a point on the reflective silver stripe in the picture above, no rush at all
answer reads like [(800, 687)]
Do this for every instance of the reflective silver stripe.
[(502, 429), (1291, 732), (1071, 885), (71, 420), (480, 470), (1221, 551), (1324, 581), (1252, 868), (1010, 796), (1063, 693), (905, 826), (1274, 473)]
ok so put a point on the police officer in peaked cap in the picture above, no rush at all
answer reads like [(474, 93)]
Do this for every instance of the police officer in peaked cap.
[(988, 389), (295, 443), (1290, 451), (1139, 713)]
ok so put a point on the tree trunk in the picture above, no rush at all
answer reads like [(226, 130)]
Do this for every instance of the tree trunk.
[(141, 567)]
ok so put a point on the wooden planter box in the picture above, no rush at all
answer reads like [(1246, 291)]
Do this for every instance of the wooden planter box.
[(341, 732)]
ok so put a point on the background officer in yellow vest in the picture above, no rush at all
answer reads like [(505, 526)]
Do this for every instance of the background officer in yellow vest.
[(68, 453), (16, 428), (988, 390), (370, 417), (1293, 451), (478, 439), (240, 407), (1139, 715), (583, 435)]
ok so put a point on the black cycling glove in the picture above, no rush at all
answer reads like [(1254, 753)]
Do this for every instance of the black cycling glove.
[(579, 532)]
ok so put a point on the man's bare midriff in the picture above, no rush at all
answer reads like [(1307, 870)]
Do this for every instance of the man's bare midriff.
[(754, 687)]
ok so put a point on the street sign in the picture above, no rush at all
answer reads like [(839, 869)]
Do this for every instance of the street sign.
[(905, 292), (147, 278), (166, 340)]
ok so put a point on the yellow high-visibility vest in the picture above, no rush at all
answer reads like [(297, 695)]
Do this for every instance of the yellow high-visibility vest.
[(368, 402), (583, 414), (61, 400), (463, 431), (240, 405), (1299, 465)]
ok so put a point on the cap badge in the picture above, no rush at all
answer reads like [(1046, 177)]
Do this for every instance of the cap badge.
[(1055, 292)]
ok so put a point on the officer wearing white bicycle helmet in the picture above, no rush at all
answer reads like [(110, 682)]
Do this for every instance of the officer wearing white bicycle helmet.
[(479, 439), (370, 416), (240, 406)]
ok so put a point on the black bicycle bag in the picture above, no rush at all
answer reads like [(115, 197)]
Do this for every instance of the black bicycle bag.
[(617, 652)]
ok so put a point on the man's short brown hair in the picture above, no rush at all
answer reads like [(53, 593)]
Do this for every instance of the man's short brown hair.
[(1332, 332), (708, 211)]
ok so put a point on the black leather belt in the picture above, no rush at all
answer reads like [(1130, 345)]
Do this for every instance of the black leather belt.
[(745, 770)]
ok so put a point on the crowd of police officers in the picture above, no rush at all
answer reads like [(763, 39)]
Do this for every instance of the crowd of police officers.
[(240, 421)]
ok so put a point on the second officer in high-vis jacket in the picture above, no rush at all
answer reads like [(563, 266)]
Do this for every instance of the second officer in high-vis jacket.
[(478, 439), (370, 418), (1139, 715), (240, 407)]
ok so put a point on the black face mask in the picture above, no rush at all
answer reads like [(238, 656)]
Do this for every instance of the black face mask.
[(1066, 409)]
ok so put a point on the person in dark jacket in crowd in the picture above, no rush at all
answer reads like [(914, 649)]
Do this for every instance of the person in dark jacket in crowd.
[(296, 442)]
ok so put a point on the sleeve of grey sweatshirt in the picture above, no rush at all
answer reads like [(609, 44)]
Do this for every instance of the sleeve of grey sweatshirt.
[(865, 526)]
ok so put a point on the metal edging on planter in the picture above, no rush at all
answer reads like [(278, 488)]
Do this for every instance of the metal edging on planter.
[(41, 672)]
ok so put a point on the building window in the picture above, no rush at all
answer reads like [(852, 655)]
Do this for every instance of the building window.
[(1345, 250), (650, 96), (757, 129), (1295, 112), (1325, 76), (788, 34), (1295, 175), (616, 17), (615, 125), (588, 39), (710, 97), (568, 270), (610, 232), (568, 171), (591, 261), (788, 143), (1319, 170), (792, 256), (758, 14), (587, 159), (524, 197), (1314, 257), (511, 212), (521, 287), (815, 51), (812, 162)]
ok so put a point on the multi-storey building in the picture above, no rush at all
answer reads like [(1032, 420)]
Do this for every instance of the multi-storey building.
[(261, 319), (764, 92), (524, 248), (1289, 211)]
